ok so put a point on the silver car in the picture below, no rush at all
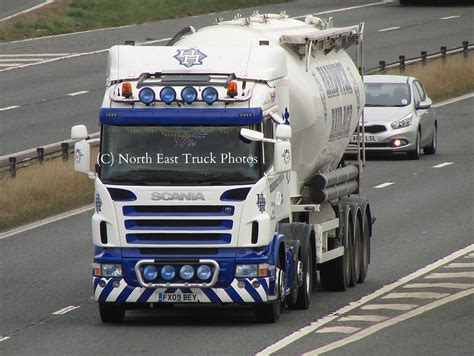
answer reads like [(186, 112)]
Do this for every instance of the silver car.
[(398, 116)]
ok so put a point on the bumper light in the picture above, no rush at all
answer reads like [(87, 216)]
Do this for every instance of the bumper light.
[(168, 273), (147, 96), (150, 272), (204, 272), (399, 142), (186, 272)]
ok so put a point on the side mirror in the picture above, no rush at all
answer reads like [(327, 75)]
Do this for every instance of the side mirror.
[(82, 158), (282, 157), (424, 105), (250, 135), (79, 132), (283, 132)]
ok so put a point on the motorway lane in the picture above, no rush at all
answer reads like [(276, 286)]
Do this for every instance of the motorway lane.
[(10, 7), (421, 28), (424, 216)]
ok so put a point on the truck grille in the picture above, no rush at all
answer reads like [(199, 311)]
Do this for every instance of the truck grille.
[(178, 225)]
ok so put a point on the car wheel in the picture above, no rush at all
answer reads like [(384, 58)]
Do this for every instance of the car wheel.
[(431, 149), (415, 154)]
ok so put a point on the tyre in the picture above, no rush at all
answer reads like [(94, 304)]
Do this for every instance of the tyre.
[(431, 149), (356, 253), (415, 154), (365, 250), (111, 313), (270, 312), (336, 274), (305, 281)]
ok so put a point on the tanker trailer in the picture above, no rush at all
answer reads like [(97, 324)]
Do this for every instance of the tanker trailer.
[(219, 177)]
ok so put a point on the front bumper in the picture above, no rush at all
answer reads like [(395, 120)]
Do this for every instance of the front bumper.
[(384, 140), (240, 291)]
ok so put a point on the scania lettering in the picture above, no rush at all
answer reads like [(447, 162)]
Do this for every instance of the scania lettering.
[(220, 176)]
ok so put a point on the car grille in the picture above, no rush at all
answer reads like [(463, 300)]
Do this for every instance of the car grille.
[(374, 129)]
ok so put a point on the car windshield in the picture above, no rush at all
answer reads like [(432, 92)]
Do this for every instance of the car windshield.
[(151, 155), (387, 94)]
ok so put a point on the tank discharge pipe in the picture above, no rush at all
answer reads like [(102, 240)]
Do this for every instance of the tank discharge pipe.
[(334, 184)]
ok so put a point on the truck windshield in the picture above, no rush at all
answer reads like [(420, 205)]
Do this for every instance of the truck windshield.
[(152, 155), (387, 94)]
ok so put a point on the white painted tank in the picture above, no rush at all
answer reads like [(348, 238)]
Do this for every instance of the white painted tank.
[(325, 101)]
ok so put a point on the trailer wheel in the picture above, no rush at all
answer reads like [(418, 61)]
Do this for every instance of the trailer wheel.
[(356, 253), (270, 312), (364, 257), (336, 274), (111, 313), (305, 281)]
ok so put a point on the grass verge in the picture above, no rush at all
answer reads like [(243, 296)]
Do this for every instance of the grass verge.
[(65, 16), (443, 80), (42, 190), (53, 187)]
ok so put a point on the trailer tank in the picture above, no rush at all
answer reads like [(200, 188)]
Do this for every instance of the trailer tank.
[(326, 93)]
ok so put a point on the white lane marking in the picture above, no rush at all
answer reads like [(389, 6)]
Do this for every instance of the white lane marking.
[(66, 310), (10, 108), (298, 334), (383, 185), (3, 338), (350, 8), (440, 285), (471, 255), (415, 295), (21, 59), (449, 17), (10, 64), (39, 223), (441, 165), (375, 318), (13, 55), (450, 275), (454, 100), (46, 2), (79, 93), (460, 265), (338, 329), (389, 29), (389, 306), (377, 327)]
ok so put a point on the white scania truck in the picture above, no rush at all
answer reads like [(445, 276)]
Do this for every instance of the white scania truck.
[(219, 178)]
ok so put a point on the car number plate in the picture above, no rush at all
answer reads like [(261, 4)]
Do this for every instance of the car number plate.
[(368, 138), (178, 297)]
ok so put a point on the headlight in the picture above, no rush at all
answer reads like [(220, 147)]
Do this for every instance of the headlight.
[(189, 94), (251, 271), (167, 95), (399, 124), (209, 95), (111, 270), (147, 96)]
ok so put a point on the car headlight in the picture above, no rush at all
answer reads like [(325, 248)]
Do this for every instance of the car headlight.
[(111, 270), (399, 124), (251, 271)]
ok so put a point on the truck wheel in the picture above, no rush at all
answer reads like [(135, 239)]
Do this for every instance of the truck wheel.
[(111, 313), (415, 154), (364, 257), (356, 254), (270, 312), (305, 281), (336, 274), (431, 149)]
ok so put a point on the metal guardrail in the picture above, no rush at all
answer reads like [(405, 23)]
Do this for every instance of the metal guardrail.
[(15, 161), (423, 58)]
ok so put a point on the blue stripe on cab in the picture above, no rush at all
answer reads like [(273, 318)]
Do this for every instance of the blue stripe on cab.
[(180, 116)]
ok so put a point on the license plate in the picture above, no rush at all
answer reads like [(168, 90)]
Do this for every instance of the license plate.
[(368, 138), (177, 297)]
